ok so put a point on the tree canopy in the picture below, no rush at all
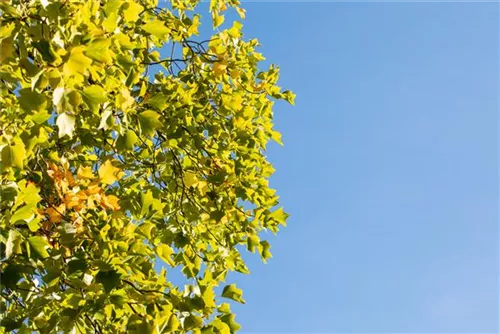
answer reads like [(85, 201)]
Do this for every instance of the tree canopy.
[(129, 147)]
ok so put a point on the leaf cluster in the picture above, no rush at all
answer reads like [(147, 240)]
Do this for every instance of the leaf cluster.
[(109, 172)]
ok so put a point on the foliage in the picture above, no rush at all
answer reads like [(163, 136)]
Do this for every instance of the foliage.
[(105, 170)]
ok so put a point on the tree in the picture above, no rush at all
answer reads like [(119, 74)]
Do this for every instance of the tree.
[(109, 173)]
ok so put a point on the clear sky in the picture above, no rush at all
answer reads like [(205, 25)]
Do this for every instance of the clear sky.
[(389, 169)]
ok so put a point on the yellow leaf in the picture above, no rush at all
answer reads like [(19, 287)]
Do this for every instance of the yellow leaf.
[(110, 22), (111, 202), (56, 214), (164, 251), (85, 173), (109, 174), (220, 68), (235, 74), (77, 62), (241, 12), (6, 49), (132, 12), (190, 179), (124, 99)]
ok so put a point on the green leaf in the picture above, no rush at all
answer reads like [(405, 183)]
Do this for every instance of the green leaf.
[(13, 245), (94, 95), (109, 279), (192, 321), (264, 250), (232, 292), (14, 154), (149, 121), (217, 215), (252, 242), (158, 101), (31, 101), (46, 50), (229, 320), (40, 117), (40, 245), (127, 141), (18, 153)]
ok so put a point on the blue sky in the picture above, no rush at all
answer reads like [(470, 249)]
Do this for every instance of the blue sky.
[(389, 169)]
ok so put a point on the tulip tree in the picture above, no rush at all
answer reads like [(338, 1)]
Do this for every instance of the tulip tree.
[(130, 148)]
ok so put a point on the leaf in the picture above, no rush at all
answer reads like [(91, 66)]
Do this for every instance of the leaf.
[(7, 49), (149, 121), (190, 179), (85, 173), (14, 154), (34, 224), (219, 68), (18, 153), (66, 124), (77, 62), (106, 120), (145, 229), (93, 96), (147, 200), (40, 117), (164, 252), (87, 279), (24, 213), (109, 174), (264, 250), (99, 50), (280, 216), (13, 245), (276, 136), (217, 19), (289, 97), (132, 11), (172, 325), (229, 320), (46, 50), (111, 21), (232, 292), (126, 141), (252, 242), (40, 245), (6, 30), (57, 97), (109, 279), (125, 100), (31, 101), (217, 215), (156, 28), (193, 321)]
